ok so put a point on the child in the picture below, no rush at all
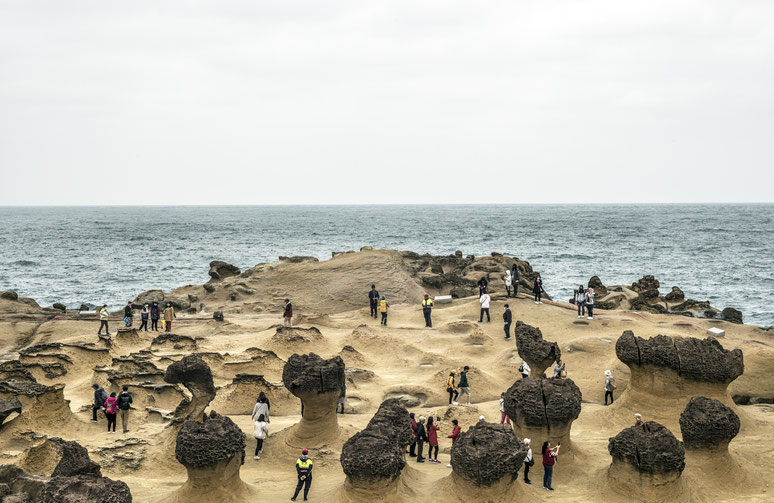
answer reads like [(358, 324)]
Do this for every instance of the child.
[(383, 305), (260, 433)]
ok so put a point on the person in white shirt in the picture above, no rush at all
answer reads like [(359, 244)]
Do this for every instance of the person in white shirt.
[(484, 300), (524, 369), (260, 433), (503, 416), (528, 461), (590, 303), (508, 282)]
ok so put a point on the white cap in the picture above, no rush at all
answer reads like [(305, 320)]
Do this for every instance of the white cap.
[(422, 418), (480, 418)]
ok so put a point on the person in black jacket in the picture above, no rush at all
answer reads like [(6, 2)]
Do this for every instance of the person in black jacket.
[(421, 438), (304, 470), (373, 300), (515, 280), (128, 315), (124, 404), (537, 289), (100, 396), (482, 286), (507, 319), (155, 314)]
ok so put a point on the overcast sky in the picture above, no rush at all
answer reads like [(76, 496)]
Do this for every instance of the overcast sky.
[(293, 102)]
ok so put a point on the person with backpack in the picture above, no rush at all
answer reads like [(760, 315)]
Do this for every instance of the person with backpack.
[(610, 386), (124, 404), (260, 432), (262, 407), (304, 470), (503, 416), (427, 309), (529, 461), (483, 284), (484, 301), (507, 319), (421, 438), (413, 446), (100, 397), (590, 303), (454, 434), (169, 315), (103, 320), (287, 316), (537, 289), (128, 315), (463, 385), (373, 300), (508, 281), (432, 439), (451, 389), (155, 315), (111, 410), (144, 318), (549, 460), (524, 369), (383, 306)]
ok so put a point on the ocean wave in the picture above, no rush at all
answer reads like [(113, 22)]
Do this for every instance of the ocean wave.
[(24, 263)]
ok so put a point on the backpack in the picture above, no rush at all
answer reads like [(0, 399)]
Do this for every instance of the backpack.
[(612, 384), (521, 368), (110, 408)]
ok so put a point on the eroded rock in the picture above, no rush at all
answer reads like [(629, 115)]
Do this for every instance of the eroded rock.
[(8, 407), (708, 424), (214, 440), (487, 453), (650, 448), (538, 352), (193, 373), (221, 270)]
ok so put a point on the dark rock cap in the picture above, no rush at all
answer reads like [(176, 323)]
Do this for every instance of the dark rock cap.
[(543, 402), (372, 454), (392, 419), (74, 461), (486, 453), (191, 370), (706, 423), (205, 444), (312, 373), (533, 348), (649, 448), (86, 488)]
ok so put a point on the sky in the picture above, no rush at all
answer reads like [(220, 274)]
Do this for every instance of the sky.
[(309, 102)]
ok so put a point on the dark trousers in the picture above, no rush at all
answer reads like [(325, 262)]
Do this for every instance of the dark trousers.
[(373, 309), (453, 394), (430, 452), (384, 318), (507, 291), (144, 324), (548, 472), (537, 297), (258, 445), (515, 289), (590, 309), (507, 329), (428, 320), (526, 471), (413, 448), (94, 410), (608, 394), (155, 324), (420, 449), (103, 323), (484, 310), (111, 421), (306, 483)]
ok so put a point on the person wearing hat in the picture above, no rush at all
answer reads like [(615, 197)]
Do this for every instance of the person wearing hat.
[(304, 470), (103, 320), (609, 386), (383, 305), (638, 419), (373, 300), (427, 309), (100, 397), (169, 315)]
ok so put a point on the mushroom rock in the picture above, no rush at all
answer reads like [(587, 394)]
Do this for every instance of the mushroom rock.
[(678, 367), (318, 383), (193, 373), (544, 408), (486, 454), (221, 270), (8, 407), (86, 488), (393, 419), (708, 424), (537, 352), (74, 460)]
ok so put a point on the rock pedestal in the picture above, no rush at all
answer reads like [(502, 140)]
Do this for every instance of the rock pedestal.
[(536, 351), (193, 373), (487, 454)]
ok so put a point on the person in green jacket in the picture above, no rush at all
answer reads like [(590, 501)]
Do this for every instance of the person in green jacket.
[(103, 320)]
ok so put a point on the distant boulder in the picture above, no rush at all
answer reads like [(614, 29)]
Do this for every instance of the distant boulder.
[(732, 315), (221, 270), (9, 295), (676, 295)]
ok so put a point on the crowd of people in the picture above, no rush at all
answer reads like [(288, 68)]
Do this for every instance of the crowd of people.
[(148, 312)]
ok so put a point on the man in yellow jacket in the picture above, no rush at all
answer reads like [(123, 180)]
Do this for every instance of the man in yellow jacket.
[(103, 320), (427, 309), (304, 471)]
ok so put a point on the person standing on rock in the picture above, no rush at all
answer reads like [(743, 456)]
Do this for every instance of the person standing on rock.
[(580, 301), (111, 410), (549, 460), (483, 284), (373, 300), (100, 396), (590, 303), (463, 385), (103, 320), (287, 316), (261, 408), (155, 315), (427, 310), (524, 369), (383, 306), (124, 404), (638, 419), (537, 289), (421, 439), (484, 301), (304, 471), (503, 416), (515, 280), (451, 389), (559, 369), (260, 432), (128, 315), (144, 318), (609, 386), (169, 315), (508, 281), (413, 446), (507, 319), (432, 439), (528, 461)]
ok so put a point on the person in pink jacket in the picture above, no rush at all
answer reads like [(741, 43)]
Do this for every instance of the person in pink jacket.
[(111, 411)]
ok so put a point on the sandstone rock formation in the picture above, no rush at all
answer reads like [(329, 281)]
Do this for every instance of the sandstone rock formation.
[(221, 270), (487, 453), (708, 424), (537, 352), (8, 407), (74, 460), (651, 449), (193, 373)]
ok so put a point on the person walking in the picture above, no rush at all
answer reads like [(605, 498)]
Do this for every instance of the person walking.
[(155, 314), (144, 318), (169, 315), (508, 281), (373, 300), (260, 432), (421, 439), (507, 319), (100, 397), (103, 320), (124, 404), (287, 316), (111, 410), (549, 460), (515, 280), (590, 303), (560, 370), (454, 435), (537, 289), (427, 309), (484, 301), (580, 301), (524, 369), (383, 306), (128, 315), (503, 416), (483, 284), (463, 384), (304, 470), (529, 461), (432, 439), (413, 446), (638, 419), (610, 386), (261, 408), (451, 389)]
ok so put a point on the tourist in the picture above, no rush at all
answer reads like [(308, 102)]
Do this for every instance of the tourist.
[(524, 369), (483, 284), (373, 300), (287, 316), (515, 280), (169, 315), (507, 319), (111, 410), (590, 303), (427, 308), (100, 396), (103, 320), (155, 314), (383, 306), (413, 446), (451, 389), (128, 315), (124, 404), (421, 438), (342, 399), (638, 419), (262, 407), (260, 432), (454, 435), (484, 301), (432, 439), (609, 386), (537, 289), (463, 385), (528, 461), (503, 416), (560, 369), (508, 281), (549, 460), (144, 317), (304, 470), (580, 301)]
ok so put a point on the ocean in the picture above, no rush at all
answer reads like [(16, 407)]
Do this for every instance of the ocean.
[(95, 255)]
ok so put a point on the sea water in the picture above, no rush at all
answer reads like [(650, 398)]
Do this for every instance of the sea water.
[(96, 255)]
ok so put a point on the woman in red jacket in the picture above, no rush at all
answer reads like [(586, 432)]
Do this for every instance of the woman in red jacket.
[(432, 439), (455, 433), (111, 410)]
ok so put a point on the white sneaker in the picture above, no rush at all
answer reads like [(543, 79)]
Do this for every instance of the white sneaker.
[(449, 465), (579, 316), (589, 318), (256, 457), (455, 403)]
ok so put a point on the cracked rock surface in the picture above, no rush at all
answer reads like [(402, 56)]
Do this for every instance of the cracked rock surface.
[(649, 448), (486, 453), (707, 424), (543, 402), (538, 353)]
